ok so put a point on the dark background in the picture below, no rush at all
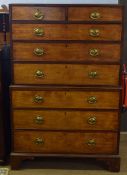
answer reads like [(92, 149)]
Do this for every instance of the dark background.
[(124, 114)]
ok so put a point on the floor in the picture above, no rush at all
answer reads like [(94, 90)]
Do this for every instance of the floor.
[(71, 167)]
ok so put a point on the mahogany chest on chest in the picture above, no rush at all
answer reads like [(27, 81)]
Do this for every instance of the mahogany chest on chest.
[(66, 87)]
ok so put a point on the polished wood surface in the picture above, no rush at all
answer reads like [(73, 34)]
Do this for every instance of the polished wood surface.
[(74, 13), (65, 99), (66, 89), (111, 32), (84, 13), (71, 74), (65, 120), (27, 13), (70, 52), (65, 142)]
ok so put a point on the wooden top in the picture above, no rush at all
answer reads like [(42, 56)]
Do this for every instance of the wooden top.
[(87, 5)]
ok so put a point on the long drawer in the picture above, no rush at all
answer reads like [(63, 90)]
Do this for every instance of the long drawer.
[(93, 32), (65, 142), (68, 74), (65, 99), (65, 120), (66, 52)]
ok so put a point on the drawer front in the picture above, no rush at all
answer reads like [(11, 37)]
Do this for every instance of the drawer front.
[(65, 142), (65, 99), (69, 74), (38, 13), (95, 14), (66, 52), (66, 32), (65, 120)]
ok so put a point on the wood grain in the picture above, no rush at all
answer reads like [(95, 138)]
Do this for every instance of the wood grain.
[(83, 13), (65, 142), (66, 87), (66, 52), (65, 99), (65, 120), (27, 13), (111, 32), (67, 74)]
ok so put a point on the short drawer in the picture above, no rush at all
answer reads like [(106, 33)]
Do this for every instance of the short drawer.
[(95, 13), (67, 74), (65, 142), (68, 98), (65, 120), (94, 32), (38, 13), (66, 52)]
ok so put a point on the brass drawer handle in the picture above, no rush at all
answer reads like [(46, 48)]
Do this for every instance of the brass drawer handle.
[(38, 15), (91, 142), (39, 119), (94, 32), (38, 99), (95, 15), (39, 32), (92, 74), (39, 51), (39, 141), (92, 100), (94, 52), (91, 120), (39, 74)]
